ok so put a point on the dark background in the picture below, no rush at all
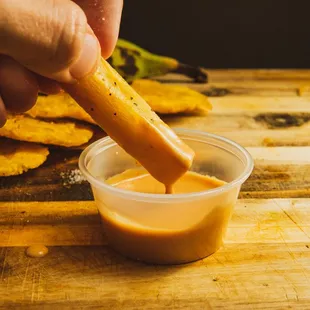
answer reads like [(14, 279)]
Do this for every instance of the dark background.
[(222, 33)]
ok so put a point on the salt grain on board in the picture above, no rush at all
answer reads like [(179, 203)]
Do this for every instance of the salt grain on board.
[(72, 177)]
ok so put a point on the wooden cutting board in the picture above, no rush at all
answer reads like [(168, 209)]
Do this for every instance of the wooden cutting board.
[(265, 262)]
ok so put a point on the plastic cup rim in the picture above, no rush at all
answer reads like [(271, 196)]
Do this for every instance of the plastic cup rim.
[(163, 197)]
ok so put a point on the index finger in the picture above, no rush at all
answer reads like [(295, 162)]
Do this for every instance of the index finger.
[(104, 17)]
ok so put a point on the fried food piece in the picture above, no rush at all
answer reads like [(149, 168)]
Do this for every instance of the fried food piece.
[(59, 106), (162, 98), (171, 99), (64, 133), (18, 157), (130, 122)]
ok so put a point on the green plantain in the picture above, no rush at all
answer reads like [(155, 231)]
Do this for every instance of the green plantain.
[(134, 62)]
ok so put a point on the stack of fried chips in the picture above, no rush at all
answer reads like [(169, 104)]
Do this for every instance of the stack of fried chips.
[(58, 120)]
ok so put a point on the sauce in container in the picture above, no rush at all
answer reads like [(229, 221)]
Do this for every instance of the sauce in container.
[(142, 222), (167, 246)]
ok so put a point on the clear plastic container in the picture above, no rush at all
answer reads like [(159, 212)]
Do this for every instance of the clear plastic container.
[(167, 229)]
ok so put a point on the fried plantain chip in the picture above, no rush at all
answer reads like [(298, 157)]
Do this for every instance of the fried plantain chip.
[(59, 106), (63, 133), (18, 157), (163, 98), (171, 99)]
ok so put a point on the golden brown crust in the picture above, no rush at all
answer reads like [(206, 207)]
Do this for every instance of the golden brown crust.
[(59, 106), (62, 133), (18, 157), (171, 99)]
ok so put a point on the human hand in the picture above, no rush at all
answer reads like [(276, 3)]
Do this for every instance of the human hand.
[(43, 42)]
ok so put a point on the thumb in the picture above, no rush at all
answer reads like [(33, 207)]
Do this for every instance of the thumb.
[(49, 37)]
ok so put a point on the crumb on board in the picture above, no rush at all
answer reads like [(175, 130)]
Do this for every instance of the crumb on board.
[(268, 142), (72, 177), (301, 90)]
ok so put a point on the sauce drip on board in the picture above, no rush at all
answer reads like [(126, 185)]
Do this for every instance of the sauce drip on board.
[(36, 251)]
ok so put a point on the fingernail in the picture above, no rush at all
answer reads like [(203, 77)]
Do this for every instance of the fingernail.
[(88, 59)]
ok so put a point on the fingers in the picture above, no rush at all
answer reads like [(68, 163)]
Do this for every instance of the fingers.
[(2, 113), (49, 37), (47, 86), (104, 17), (18, 86), (51, 41)]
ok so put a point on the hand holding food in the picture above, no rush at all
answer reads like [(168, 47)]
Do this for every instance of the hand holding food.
[(47, 41)]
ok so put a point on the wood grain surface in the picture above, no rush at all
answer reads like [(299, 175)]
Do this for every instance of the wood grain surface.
[(265, 262)]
